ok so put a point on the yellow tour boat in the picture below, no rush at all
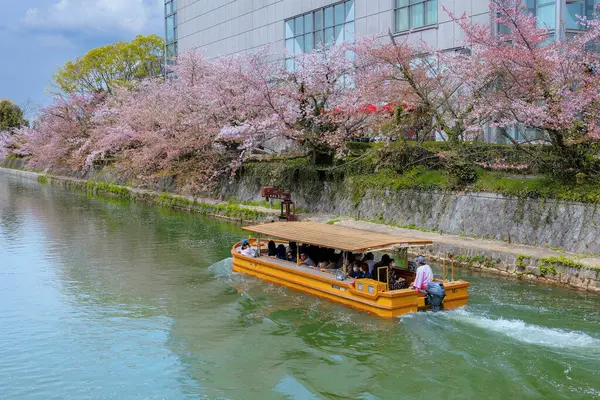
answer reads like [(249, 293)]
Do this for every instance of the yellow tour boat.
[(335, 285)]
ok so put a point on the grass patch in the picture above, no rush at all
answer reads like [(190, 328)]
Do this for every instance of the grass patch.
[(487, 262), (42, 179), (538, 187)]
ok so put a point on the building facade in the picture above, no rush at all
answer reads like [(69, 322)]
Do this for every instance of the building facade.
[(225, 27)]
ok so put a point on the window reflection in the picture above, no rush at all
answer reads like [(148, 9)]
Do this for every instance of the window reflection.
[(322, 27), (411, 14)]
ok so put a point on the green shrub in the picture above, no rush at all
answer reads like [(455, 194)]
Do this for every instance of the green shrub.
[(463, 173)]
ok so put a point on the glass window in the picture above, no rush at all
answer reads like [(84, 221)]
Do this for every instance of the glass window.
[(299, 25), (431, 13), (322, 27), (319, 20), (318, 39), (171, 31), (349, 32), (411, 14), (546, 15), (402, 23), (339, 34), (289, 29), (299, 45), (290, 64), (308, 43), (170, 28), (328, 36), (340, 14), (289, 46), (573, 10), (545, 11), (308, 23), (590, 8), (350, 11), (417, 17), (170, 50), (328, 17)]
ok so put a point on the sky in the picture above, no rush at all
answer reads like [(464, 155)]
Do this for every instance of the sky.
[(39, 36)]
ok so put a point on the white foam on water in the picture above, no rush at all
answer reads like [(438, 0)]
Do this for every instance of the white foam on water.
[(293, 389), (527, 333), (222, 269)]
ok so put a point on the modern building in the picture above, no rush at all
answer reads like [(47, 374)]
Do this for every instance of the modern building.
[(224, 27)]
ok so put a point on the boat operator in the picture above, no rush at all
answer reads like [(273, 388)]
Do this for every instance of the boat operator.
[(247, 250), (424, 275)]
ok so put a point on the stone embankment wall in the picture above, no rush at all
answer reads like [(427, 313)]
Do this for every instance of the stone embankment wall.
[(572, 227), (560, 270)]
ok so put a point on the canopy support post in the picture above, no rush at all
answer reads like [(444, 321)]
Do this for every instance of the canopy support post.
[(444, 269)]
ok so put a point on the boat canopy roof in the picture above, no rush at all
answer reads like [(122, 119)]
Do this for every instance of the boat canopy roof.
[(332, 236)]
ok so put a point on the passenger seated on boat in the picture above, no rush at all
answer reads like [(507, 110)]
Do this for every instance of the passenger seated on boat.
[(424, 275), (313, 252), (247, 250), (370, 260), (355, 271), (306, 260), (324, 257), (365, 270), (347, 257), (385, 262), (396, 281), (357, 257), (281, 255), (331, 263), (272, 249), (292, 251)]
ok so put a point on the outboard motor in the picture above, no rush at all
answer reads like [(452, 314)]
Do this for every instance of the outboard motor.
[(435, 295)]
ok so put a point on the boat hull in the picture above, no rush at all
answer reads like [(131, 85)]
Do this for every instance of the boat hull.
[(364, 294)]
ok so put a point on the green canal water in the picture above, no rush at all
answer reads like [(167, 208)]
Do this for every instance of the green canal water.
[(110, 300)]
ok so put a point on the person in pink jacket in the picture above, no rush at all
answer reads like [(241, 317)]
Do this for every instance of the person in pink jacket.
[(424, 275)]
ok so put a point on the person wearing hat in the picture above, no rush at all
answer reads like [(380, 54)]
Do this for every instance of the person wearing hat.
[(247, 250), (424, 275)]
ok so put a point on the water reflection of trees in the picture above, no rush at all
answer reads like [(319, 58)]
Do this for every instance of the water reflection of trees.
[(11, 222), (112, 252)]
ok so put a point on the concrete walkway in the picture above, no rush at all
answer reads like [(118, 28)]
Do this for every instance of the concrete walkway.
[(461, 242)]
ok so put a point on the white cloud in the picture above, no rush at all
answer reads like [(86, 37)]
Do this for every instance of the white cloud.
[(99, 16)]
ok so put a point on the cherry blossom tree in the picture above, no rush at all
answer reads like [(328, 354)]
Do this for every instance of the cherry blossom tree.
[(520, 78), (57, 138), (415, 78)]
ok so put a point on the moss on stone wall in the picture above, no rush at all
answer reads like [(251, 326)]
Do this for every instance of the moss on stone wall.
[(231, 210), (361, 174)]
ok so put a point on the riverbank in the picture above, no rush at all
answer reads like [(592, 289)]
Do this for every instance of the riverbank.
[(575, 270), (205, 206)]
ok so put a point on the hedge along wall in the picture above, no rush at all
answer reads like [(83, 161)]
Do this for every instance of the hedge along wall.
[(571, 226)]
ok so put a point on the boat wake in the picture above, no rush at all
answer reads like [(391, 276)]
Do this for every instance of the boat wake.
[(222, 269), (527, 333)]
